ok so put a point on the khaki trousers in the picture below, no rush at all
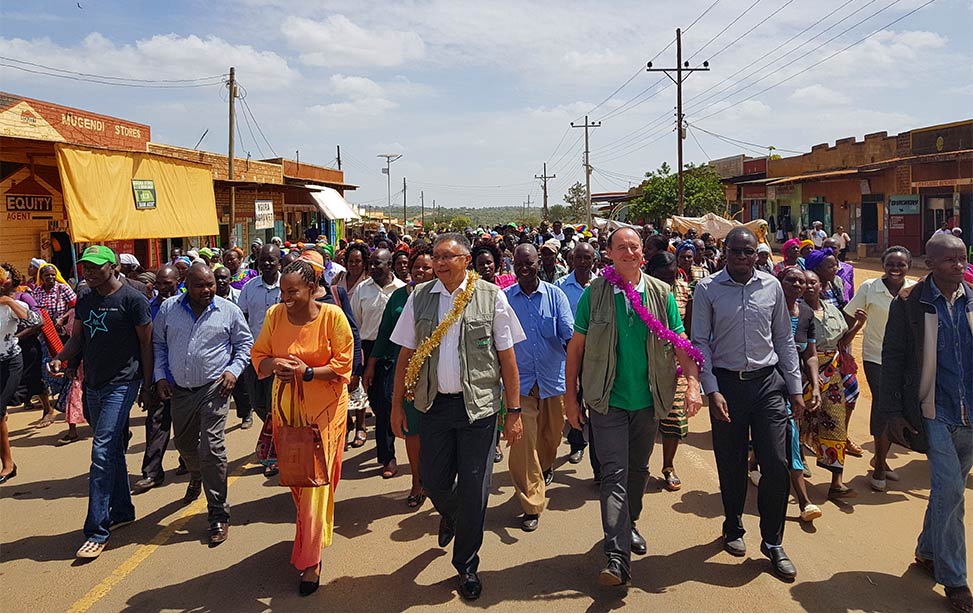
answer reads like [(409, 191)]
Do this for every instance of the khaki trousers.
[(543, 421)]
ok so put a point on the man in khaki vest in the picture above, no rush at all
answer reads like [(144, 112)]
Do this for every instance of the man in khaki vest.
[(458, 393), (628, 376)]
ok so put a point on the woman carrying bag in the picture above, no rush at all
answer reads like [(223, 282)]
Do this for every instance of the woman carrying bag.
[(309, 347)]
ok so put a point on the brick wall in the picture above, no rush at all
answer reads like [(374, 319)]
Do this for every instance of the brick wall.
[(845, 153), (243, 169)]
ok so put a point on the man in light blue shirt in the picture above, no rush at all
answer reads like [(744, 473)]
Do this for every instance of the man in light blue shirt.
[(202, 341), (545, 315)]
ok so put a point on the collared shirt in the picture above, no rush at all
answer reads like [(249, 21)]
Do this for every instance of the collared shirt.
[(368, 304), (559, 272), (548, 322), (743, 327), (572, 288), (196, 351), (506, 332), (232, 295), (255, 299), (954, 356), (875, 299), (56, 301)]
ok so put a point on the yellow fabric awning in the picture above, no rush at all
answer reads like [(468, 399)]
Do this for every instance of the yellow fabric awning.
[(100, 204)]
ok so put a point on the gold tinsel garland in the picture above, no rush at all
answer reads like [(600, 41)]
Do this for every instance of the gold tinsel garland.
[(432, 342)]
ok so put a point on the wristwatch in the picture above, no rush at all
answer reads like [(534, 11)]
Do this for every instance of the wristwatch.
[(309, 374), (514, 410)]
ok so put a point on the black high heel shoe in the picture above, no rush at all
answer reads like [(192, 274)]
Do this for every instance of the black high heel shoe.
[(306, 588), (5, 477)]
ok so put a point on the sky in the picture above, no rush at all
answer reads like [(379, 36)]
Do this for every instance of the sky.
[(477, 96)]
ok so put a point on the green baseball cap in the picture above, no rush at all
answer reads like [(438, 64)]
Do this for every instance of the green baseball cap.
[(98, 255)]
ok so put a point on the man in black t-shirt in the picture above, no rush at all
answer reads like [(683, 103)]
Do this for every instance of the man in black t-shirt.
[(113, 334)]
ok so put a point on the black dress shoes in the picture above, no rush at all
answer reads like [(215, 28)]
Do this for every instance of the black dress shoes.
[(613, 575), (638, 543), (11, 474), (735, 546), (144, 484), (469, 586), (548, 476), (528, 523), (576, 456), (219, 531), (193, 490), (446, 532), (782, 565)]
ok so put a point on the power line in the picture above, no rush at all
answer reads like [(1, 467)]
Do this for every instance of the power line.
[(246, 106), (102, 82), (250, 128), (740, 141), (840, 51), (698, 144), (725, 28), (71, 72), (755, 26)]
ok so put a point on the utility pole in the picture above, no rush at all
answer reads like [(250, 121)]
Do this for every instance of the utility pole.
[(544, 177), (339, 157), (682, 71), (232, 88), (587, 163), (404, 214), (389, 159), (422, 210)]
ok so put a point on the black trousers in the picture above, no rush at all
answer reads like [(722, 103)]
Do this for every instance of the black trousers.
[(576, 438), (241, 399), (381, 408), (758, 412), (456, 467), (158, 424), (259, 391)]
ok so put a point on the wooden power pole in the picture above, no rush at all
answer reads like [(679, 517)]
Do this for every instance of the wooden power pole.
[(587, 164), (234, 240), (682, 71), (544, 177)]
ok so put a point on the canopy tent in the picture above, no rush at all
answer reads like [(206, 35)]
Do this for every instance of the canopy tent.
[(609, 224), (717, 226), (175, 198), (331, 203)]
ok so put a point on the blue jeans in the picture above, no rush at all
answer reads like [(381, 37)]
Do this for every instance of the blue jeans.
[(109, 496), (943, 537)]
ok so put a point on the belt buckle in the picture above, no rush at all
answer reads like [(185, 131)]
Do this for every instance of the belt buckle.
[(741, 374)]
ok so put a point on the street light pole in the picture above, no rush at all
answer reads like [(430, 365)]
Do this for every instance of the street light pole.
[(389, 159)]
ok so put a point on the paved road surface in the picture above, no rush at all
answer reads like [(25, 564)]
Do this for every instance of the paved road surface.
[(385, 558)]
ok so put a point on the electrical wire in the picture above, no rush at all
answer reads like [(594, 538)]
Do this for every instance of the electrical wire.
[(71, 72), (698, 144), (755, 26), (250, 128), (164, 86), (725, 28), (757, 145), (246, 107), (823, 60)]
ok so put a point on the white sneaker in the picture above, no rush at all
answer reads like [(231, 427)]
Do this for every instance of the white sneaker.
[(878, 485), (755, 477), (810, 512)]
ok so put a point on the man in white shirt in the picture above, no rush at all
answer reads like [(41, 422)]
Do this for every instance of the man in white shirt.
[(368, 305), (818, 235), (458, 393)]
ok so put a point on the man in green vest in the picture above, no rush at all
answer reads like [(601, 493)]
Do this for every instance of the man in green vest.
[(628, 377), (457, 388)]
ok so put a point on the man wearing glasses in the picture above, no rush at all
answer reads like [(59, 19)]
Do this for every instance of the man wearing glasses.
[(458, 393), (742, 326)]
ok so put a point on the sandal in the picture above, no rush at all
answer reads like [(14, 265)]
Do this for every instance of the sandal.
[(43, 423), (271, 470), (90, 550), (960, 599), (390, 469), (360, 438), (845, 493), (415, 500), (852, 448), (672, 481), (67, 439)]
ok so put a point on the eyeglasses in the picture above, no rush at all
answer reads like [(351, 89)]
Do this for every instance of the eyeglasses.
[(748, 252), (437, 258)]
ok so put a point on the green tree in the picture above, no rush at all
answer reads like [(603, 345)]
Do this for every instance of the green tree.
[(458, 223), (560, 212), (531, 220), (577, 202), (702, 192)]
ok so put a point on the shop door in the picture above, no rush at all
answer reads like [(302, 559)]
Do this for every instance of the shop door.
[(905, 230), (933, 215), (869, 223), (820, 212)]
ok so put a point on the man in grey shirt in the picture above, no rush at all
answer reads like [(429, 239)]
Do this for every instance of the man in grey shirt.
[(203, 342), (742, 326)]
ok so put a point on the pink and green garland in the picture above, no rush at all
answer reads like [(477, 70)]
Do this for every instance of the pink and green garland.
[(657, 329)]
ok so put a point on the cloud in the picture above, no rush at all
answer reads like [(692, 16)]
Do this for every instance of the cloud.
[(163, 56), (337, 42), (818, 95), (364, 97)]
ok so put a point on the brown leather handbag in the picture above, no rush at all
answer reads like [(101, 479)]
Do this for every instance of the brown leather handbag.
[(300, 449)]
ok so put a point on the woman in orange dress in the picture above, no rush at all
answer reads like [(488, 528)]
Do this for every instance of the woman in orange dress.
[(308, 345)]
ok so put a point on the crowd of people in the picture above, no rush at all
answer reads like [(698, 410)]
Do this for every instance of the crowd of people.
[(454, 340)]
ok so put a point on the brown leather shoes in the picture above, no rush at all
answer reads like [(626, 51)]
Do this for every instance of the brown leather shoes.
[(218, 533)]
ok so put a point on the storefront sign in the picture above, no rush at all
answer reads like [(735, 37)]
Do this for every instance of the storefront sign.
[(943, 183), (904, 204), (36, 119), (144, 192), (264, 214)]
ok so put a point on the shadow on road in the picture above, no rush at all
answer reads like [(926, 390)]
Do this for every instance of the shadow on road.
[(871, 592)]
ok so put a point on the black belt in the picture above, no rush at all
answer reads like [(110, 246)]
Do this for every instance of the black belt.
[(450, 395), (193, 389), (756, 374)]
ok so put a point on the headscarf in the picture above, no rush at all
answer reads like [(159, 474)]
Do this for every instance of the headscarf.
[(184, 259), (38, 262), (686, 245), (327, 247), (206, 252), (791, 242), (816, 257), (57, 272), (314, 259), (807, 243)]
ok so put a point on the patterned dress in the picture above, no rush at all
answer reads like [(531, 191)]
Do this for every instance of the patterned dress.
[(825, 429), (676, 424)]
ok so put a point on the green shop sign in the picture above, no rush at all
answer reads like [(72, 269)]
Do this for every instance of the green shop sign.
[(144, 192)]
